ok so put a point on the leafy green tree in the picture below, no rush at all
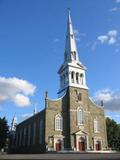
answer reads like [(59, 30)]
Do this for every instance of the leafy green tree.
[(113, 134), (3, 131)]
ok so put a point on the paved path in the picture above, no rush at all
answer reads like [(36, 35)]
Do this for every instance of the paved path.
[(62, 156)]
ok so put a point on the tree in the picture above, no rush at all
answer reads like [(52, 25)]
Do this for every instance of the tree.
[(113, 134), (3, 131)]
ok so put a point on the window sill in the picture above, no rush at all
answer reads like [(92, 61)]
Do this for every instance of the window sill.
[(96, 131), (80, 124), (59, 130)]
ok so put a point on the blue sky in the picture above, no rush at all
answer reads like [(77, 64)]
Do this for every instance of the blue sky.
[(32, 41)]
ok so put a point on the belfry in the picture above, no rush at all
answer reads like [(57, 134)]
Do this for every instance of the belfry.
[(72, 71), (71, 122)]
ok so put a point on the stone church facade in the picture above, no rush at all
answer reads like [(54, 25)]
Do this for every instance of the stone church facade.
[(71, 122)]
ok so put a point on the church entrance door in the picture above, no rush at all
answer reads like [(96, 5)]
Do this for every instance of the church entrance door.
[(81, 144), (98, 145), (58, 145)]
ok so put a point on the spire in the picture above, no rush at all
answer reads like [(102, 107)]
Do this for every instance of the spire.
[(14, 123), (72, 71), (35, 109), (71, 53)]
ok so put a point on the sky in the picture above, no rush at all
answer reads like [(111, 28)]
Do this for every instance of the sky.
[(32, 42)]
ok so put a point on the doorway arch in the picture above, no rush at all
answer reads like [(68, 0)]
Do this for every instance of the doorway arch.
[(98, 145), (81, 144), (58, 145)]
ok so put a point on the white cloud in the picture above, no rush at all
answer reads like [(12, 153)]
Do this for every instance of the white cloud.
[(110, 98), (103, 38), (2, 98), (56, 40), (112, 33), (114, 9), (16, 90), (110, 38), (21, 100), (117, 115), (105, 95), (78, 35), (117, 1)]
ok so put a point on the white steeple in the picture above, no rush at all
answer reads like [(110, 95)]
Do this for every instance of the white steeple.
[(71, 53), (72, 71), (14, 123)]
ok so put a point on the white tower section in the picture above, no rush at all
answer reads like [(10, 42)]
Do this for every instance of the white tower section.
[(14, 123), (72, 71)]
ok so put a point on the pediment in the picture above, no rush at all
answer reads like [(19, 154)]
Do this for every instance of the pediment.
[(58, 136), (81, 65), (81, 132)]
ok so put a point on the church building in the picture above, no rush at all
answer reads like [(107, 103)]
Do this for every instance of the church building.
[(71, 122)]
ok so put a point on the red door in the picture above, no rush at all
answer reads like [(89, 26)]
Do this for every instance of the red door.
[(98, 146), (58, 146), (81, 146)]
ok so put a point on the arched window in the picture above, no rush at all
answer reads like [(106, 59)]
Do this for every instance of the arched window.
[(80, 116), (77, 77), (74, 54), (72, 77), (81, 78), (96, 125), (58, 122), (71, 35), (79, 96)]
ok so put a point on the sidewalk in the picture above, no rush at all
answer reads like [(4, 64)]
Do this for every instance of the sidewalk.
[(62, 156)]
